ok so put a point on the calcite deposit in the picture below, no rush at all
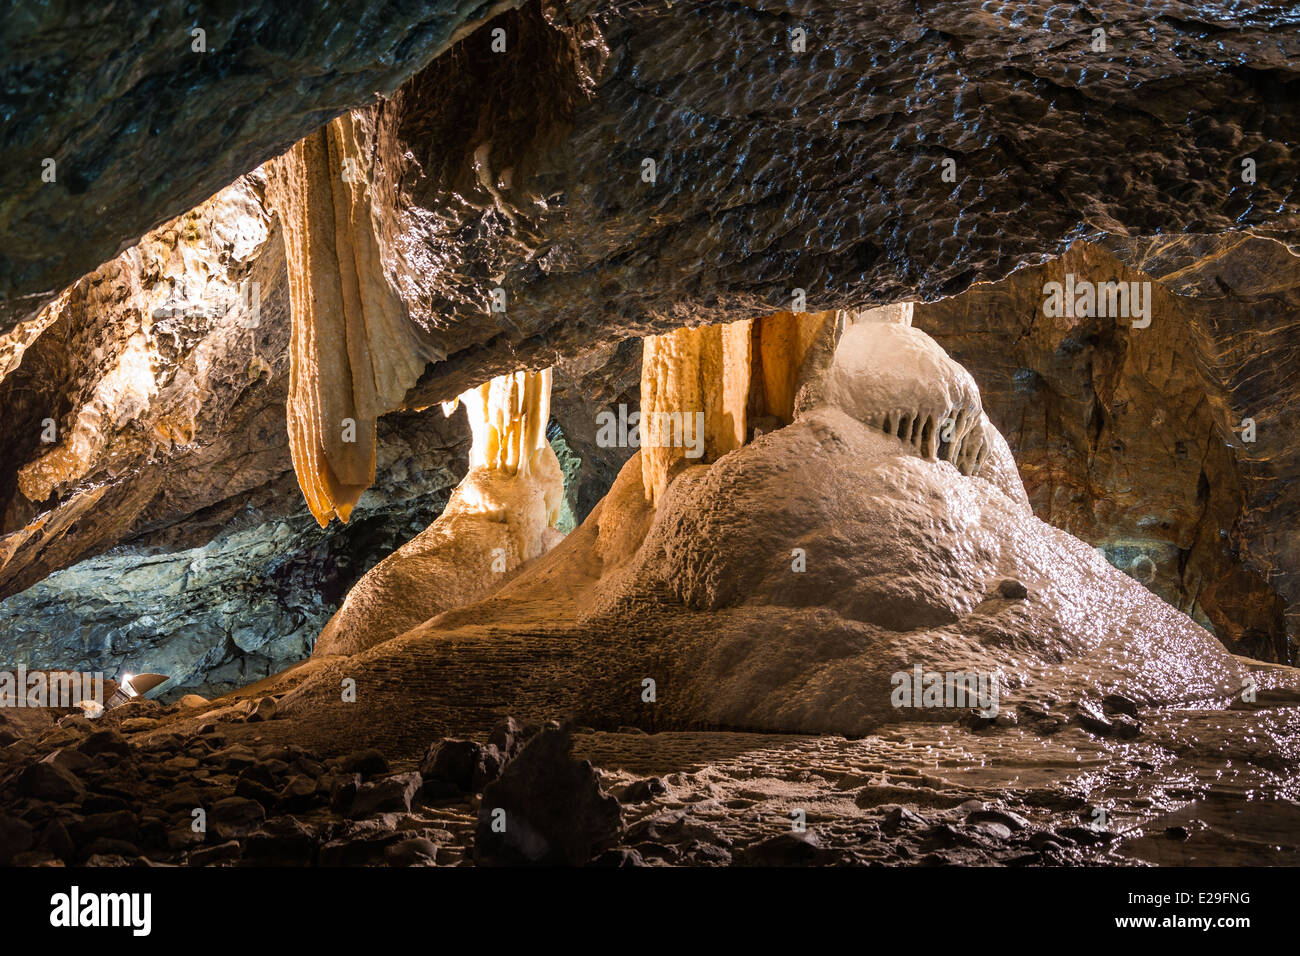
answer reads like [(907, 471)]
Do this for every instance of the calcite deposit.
[(783, 587), (501, 516), (352, 353), (704, 389), (146, 109), (913, 383), (857, 210), (1138, 439)]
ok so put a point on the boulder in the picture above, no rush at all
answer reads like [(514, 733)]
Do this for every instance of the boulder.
[(49, 781), (464, 764), (547, 808), (389, 795), (235, 817)]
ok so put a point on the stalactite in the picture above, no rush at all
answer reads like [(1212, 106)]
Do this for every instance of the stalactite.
[(502, 514), (784, 340), (896, 378), (507, 419), (353, 354), (694, 393)]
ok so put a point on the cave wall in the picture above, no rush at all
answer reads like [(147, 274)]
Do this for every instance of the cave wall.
[(775, 170), (153, 394), (1122, 438), (164, 503), (1247, 293), (240, 590)]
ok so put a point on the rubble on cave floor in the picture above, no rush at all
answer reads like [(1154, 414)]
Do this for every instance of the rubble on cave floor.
[(1049, 788)]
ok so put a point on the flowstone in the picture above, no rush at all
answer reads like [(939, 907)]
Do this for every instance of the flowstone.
[(784, 586)]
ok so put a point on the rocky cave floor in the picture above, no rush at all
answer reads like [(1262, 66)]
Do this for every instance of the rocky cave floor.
[(1040, 787)]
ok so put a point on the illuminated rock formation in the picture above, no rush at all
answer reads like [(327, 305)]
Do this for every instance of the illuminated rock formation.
[(352, 354), (124, 393), (1135, 439), (706, 390), (783, 586), (224, 89), (694, 387), (507, 417), (896, 378), (500, 516), (703, 388), (138, 401)]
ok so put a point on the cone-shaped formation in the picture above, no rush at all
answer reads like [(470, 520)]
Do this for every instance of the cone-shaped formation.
[(352, 352), (502, 514), (787, 585)]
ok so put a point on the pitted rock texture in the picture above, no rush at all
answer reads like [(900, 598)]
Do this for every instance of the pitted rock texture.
[(166, 496), (142, 126), (821, 171), (775, 170)]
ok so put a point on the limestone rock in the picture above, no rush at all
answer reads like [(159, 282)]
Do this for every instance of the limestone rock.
[(776, 190), (166, 123), (353, 353), (47, 781), (389, 795), (701, 593), (1133, 438)]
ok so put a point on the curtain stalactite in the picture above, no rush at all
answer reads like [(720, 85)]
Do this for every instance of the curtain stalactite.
[(353, 353)]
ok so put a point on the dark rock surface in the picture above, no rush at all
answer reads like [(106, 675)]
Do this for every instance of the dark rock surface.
[(143, 127), (547, 808), (464, 765), (169, 495), (721, 798), (390, 795), (819, 170)]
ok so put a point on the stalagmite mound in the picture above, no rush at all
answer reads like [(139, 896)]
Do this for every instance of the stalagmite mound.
[(786, 585), (500, 516)]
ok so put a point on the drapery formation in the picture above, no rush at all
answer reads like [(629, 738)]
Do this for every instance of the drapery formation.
[(353, 353), (507, 419), (704, 389)]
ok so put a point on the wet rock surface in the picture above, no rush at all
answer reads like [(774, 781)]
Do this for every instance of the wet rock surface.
[(1193, 792), (772, 169), (1133, 438), (150, 466), (820, 170), (248, 602)]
